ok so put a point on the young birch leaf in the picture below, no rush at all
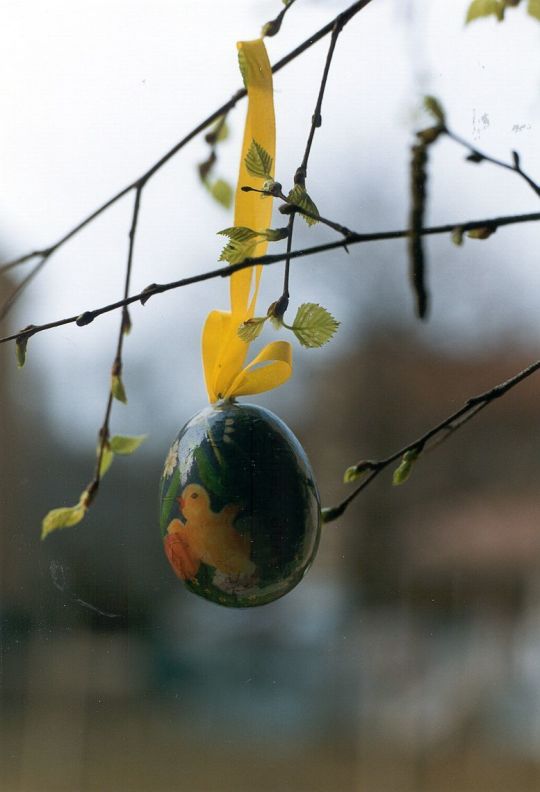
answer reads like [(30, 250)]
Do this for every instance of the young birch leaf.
[(20, 350), (533, 9), (434, 107), (219, 132), (117, 388), (356, 472), (126, 322), (275, 321), (314, 325), (222, 192), (275, 234), (64, 517), (402, 473), (234, 252), (457, 236), (483, 8), (298, 195), (429, 135), (106, 459), (251, 328), (258, 161), (481, 233), (239, 233), (126, 444)]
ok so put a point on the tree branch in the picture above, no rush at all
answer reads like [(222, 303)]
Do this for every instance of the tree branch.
[(125, 324), (445, 428), (475, 155), (280, 307), (225, 272)]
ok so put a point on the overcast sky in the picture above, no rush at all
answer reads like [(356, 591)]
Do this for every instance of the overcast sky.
[(93, 92)]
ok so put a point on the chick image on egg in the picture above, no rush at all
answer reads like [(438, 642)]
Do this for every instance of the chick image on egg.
[(207, 537)]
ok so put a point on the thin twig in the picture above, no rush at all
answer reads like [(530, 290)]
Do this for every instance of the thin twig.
[(475, 155), (12, 297), (290, 207), (280, 307), (87, 317), (117, 362), (316, 119), (282, 304), (470, 409)]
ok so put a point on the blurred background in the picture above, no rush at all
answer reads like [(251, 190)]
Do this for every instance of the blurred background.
[(409, 658)]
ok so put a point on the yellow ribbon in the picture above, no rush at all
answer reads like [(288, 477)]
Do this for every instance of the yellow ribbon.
[(223, 351)]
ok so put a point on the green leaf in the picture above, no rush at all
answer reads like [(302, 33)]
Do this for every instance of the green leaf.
[(275, 234), (106, 459), (457, 236), (430, 134), (481, 233), (64, 517), (483, 8), (330, 513), (258, 161), (21, 343), (126, 322), (239, 233), (298, 196), (219, 132), (251, 328), (271, 28), (275, 316), (402, 473), (126, 444), (222, 191), (434, 107), (234, 252), (534, 9), (117, 388), (313, 325), (276, 322), (358, 471)]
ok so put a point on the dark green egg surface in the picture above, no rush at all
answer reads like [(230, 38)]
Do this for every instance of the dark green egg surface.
[(239, 507)]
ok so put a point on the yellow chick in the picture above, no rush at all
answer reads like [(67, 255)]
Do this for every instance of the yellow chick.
[(210, 536)]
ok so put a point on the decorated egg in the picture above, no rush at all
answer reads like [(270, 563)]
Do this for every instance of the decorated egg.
[(239, 507)]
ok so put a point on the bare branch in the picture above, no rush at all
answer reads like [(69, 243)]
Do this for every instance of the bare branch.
[(117, 362), (475, 155), (86, 317), (301, 173), (445, 428)]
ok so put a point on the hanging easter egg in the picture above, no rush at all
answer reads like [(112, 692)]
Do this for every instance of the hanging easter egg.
[(239, 507)]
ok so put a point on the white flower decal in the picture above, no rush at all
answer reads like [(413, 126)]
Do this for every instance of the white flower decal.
[(172, 459)]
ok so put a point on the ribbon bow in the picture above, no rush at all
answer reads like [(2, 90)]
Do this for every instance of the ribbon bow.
[(223, 351)]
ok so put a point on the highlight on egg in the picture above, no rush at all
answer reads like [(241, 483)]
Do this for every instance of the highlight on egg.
[(239, 507)]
